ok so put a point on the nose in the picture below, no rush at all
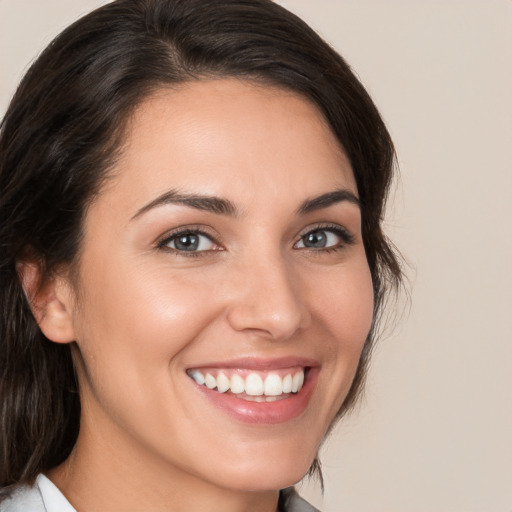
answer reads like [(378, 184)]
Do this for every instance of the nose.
[(267, 300)]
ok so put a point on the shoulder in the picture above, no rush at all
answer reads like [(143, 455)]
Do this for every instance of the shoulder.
[(290, 501), (22, 499)]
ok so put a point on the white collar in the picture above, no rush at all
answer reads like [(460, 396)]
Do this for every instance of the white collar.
[(53, 499)]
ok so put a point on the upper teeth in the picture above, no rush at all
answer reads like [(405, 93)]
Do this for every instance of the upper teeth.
[(254, 384)]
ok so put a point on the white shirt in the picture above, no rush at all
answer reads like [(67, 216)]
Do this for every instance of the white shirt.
[(44, 496), (53, 499)]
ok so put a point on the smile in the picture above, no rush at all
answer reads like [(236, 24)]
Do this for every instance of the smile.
[(257, 391), (250, 385)]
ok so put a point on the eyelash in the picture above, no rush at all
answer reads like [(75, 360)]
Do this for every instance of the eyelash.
[(347, 239), (170, 237)]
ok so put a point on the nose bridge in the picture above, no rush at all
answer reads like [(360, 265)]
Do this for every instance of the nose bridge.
[(267, 297)]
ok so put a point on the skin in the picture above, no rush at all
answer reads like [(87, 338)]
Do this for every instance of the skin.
[(142, 314)]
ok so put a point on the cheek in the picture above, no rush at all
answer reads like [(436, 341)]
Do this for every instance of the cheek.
[(346, 310), (132, 336), (346, 305), (139, 322)]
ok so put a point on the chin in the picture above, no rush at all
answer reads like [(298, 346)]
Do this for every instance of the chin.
[(268, 470), (263, 480)]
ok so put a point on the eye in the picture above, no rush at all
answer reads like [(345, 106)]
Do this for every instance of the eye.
[(189, 241), (324, 238)]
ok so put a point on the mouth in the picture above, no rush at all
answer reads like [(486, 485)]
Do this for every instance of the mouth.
[(255, 386), (257, 391)]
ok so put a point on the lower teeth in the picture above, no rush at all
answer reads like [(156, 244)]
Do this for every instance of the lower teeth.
[(262, 398)]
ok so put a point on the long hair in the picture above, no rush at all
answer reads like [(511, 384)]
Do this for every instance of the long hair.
[(62, 134)]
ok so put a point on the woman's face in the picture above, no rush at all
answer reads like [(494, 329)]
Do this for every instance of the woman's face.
[(227, 249)]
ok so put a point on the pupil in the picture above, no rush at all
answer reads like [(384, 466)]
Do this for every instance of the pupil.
[(187, 242), (316, 239)]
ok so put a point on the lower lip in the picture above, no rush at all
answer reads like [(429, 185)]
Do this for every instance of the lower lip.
[(267, 413)]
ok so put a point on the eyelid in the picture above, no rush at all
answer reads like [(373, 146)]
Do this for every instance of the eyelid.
[(347, 237)]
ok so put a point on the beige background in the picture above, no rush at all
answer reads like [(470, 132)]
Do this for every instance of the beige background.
[(435, 430)]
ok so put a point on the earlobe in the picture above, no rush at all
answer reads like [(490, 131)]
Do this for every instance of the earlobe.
[(50, 300)]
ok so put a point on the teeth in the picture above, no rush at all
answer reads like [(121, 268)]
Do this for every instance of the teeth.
[(210, 381), (222, 383), (254, 385), (273, 385), (264, 398), (237, 384), (197, 376), (298, 380), (287, 384)]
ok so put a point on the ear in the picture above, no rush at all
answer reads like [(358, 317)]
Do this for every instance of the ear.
[(50, 299)]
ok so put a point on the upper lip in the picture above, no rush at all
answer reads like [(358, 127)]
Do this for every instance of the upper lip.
[(258, 363)]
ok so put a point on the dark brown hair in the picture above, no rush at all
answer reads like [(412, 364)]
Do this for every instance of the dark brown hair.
[(63, 131)]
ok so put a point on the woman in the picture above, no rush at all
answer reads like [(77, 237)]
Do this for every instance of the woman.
[(192, 259)]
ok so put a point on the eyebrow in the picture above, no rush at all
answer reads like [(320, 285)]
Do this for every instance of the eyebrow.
[(328, 199), (199, 202), (223, 206)]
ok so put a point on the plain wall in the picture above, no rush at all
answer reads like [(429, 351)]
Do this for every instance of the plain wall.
[(434, 432)]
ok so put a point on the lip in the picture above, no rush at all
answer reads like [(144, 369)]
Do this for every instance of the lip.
[(259, 364), (262, 413)]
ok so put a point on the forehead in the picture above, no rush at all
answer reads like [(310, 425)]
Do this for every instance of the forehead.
[(230, 137)]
